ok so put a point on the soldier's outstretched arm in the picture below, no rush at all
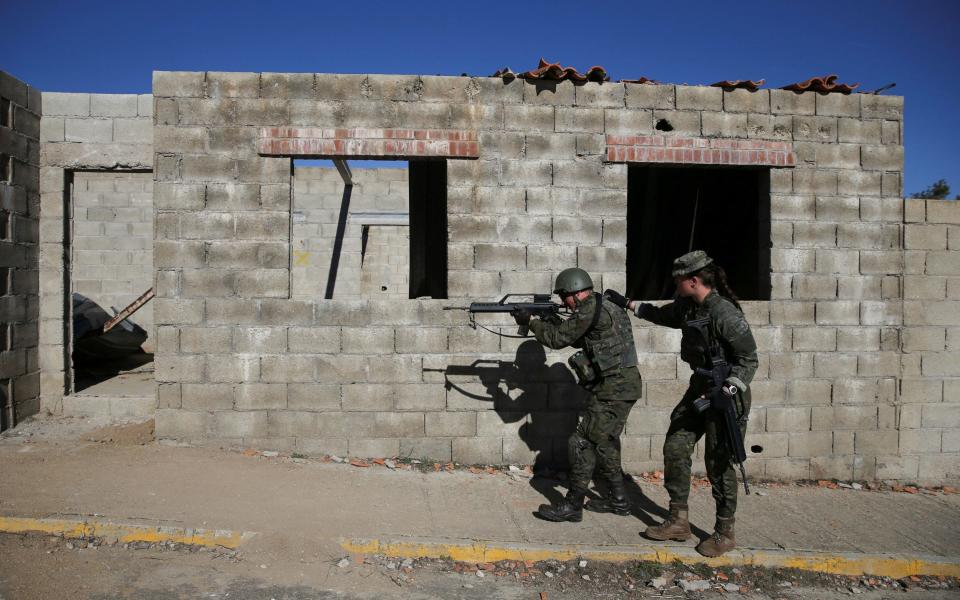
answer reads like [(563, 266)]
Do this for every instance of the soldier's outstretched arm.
[(563, 334), (668, 315)]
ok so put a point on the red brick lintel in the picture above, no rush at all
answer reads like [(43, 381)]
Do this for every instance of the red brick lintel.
[(362, 142), (700, 151)]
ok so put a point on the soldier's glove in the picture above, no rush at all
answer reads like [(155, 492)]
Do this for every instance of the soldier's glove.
[(521, 316), (729, 389), (616, 297), (643, 310)]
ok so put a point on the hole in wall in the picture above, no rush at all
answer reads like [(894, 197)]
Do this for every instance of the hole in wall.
[(664, 125), (756, 448)]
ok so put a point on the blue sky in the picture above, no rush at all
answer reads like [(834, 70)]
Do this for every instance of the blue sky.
[(114, 46)]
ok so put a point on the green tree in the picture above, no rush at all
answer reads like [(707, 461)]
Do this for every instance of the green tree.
[(938, 190)]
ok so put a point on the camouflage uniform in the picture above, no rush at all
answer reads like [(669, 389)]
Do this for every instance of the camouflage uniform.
[(596, 441), (729, 327)]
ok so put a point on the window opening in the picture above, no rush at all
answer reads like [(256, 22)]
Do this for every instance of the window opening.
[(724, 211), (368, 238), (6, 113)]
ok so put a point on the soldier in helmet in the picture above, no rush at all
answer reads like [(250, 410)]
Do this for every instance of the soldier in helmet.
[(607, 368), (703, 292)]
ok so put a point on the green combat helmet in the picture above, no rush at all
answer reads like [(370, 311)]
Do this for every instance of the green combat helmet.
[(691, 262), (572, 280)]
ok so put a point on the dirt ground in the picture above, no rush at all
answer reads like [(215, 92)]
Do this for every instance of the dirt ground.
[(43, 568)]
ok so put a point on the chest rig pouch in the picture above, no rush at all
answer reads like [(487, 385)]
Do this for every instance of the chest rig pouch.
[(580, 361)]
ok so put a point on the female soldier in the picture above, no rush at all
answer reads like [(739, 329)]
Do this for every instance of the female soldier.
[(703, 292)]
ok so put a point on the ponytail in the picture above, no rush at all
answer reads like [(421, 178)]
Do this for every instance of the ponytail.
[(714, 276)]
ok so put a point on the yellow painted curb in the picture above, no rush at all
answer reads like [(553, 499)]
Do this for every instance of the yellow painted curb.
[(837, 563), (124, 532)]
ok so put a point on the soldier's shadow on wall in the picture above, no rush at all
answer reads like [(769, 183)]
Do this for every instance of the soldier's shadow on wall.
[(547, 399)]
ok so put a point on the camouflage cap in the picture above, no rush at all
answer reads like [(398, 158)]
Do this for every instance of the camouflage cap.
[(691, 262)]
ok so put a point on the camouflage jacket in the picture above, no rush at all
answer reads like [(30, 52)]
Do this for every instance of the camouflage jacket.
[(728, 326), (612, 335)]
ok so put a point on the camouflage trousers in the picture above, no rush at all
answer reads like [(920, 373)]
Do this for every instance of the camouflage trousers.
[(596, 442), (687, 426)]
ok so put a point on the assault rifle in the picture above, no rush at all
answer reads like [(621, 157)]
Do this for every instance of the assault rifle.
[(718, 400), (539, 306)]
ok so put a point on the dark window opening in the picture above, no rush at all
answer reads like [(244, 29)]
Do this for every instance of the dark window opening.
[(6, 168), (6, 113), (7, 414), (724, 211), (428, 228)]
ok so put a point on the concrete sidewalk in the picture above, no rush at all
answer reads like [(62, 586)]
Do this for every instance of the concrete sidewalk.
[(326, 509)]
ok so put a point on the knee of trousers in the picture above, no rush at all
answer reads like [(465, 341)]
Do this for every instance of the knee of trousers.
[(576, 443)]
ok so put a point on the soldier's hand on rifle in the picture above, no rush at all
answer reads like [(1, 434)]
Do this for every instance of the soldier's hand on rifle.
[(521, 316), (616, 297), (729, 389)]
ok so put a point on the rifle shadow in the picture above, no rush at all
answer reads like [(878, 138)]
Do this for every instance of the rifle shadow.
[(547, 399)]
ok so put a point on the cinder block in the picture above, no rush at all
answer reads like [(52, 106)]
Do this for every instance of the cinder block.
[(261, 396), (401, 425), (943, 263), (725, 125), (643, 95), (58, 103), (795, 418), (898, 468), (810, 287), (180, 424), (423, 340), (231, 424), (451, 424), (815, 181), (838, 105), (809, 391), (699, 98), (919, 339), (792, 260), (938, 211), (855, 131), (941, 364), (786, 102), (875, 106), (685, 123), (310, 340), (499, 257), (815, 129), (848, 390), (862, 183), (881, 313), (51, 130), (878, 364), (881, 262), (746, 101), (529, 118), (792, 208), (313, 396), (206, 396), (232, 85), (200, 340), (113, 105), (422, 397), (548, 92), (814, 234), (853, 339), (874, 443), (547, 146), (792, 313), (807, 339), (579, 120), (882, 158), (790, 366), (628, 122), (921, 391), (810, 443), (367, 397), (607, 94), (769, 127), (829, 365), (838, 261), (286, 85), (88, 130), (919, 441), (177, 83), (482, 451), (428, 449), (774, 445)]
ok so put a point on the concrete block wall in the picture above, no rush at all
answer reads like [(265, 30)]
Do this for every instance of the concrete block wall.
[(83, 136), (364, 268), (930, 389), (113, 241), (20, 107), (249, 365)]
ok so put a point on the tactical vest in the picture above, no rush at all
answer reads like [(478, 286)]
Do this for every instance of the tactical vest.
[(611, 349)]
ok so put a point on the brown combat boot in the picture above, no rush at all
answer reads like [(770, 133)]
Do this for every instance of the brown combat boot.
[(675, 527), (722, 540)]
